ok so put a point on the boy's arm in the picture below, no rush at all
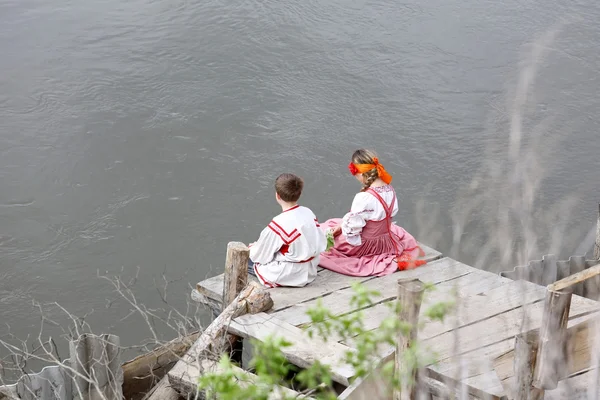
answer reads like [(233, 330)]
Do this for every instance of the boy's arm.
[(263, 250)]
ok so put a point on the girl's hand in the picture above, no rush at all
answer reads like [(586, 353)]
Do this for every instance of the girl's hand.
[(337, 230)]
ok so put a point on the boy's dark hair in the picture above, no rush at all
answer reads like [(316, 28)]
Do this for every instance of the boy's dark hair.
[(289, 187)]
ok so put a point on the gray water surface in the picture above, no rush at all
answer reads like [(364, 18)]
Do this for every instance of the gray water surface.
[(146, 134)]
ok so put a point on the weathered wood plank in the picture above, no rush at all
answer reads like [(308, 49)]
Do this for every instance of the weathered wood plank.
[(189, 381), (212, 287), (304, 350), (469, 309), (472, 365), (580, 348), (489, 381), (443, 292), (338, 302), (326, 282), (451, 389), (487, 281), (500, 327), (473, 309), (580, 387)]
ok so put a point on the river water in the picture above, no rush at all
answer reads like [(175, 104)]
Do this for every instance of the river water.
[(139, 137)]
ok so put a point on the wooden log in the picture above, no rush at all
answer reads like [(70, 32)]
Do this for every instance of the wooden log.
[(410, 295), (236, 271), (252, 299), (551, 353), (140, 374), (526, 348), (572, 280), (597, 244)]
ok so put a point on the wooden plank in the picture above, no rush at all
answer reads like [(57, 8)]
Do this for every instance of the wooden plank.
[(451, 389), (487, 281), (212, 287), (326, 282), (338, 302), (498, 328), (193, 370), (469, 308), (480, 361), (489, 381), (304, 350), (443, 292), (579, 387), (431, 254), (473, 309), (580, 348)]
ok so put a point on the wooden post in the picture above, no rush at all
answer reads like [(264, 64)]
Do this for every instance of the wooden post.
[(236, 271), (551, 355), (597, 244), (235, 280), (526, 347), (410, 295)]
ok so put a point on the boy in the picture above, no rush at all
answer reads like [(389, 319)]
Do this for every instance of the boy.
[(287, 252)]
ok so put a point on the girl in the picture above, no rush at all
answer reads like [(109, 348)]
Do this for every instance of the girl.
[(367, 242)]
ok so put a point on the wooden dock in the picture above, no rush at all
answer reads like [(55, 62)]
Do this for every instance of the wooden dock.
[(490, 312)]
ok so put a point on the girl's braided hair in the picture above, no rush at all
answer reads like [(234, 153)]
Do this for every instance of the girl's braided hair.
[(363, 156)]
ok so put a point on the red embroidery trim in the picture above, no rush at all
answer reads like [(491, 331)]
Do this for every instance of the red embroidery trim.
[(263, 280), (287, 239)]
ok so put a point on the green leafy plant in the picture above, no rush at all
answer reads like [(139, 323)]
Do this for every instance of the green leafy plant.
[(330, 239)]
